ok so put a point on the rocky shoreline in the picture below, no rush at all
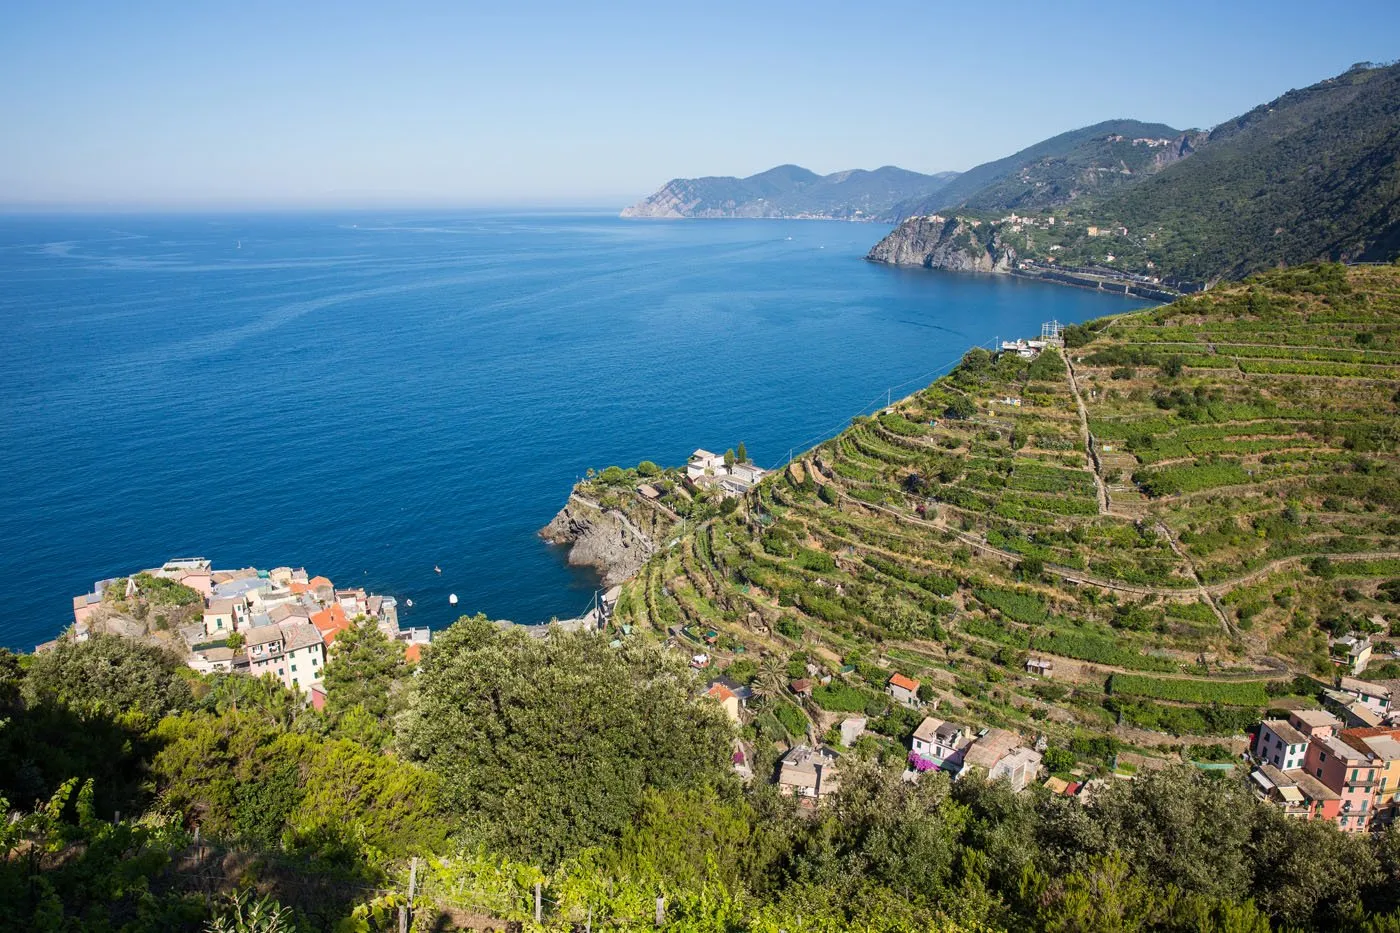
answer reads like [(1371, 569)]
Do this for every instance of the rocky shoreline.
[(605, 539)]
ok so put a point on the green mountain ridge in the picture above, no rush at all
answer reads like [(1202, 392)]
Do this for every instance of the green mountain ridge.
[(1313, 174), (790, 191), (1057, 170)]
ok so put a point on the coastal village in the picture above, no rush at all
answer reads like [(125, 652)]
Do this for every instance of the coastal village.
[(278, 623)]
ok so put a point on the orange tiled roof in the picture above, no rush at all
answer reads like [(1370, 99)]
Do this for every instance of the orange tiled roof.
[(720, 692), (899, 680), (413, 653), (317, 582), (330, 622), (297, 587)]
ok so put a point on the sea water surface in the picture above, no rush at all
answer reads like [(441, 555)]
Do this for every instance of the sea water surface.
[(369, 395)]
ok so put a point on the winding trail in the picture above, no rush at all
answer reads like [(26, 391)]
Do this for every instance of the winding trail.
[(1088, 579), (1225, 622), (1087, 438)]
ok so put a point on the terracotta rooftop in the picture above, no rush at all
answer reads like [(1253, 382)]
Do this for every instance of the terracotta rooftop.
[(720, 692), (330, 622), (907, 683)]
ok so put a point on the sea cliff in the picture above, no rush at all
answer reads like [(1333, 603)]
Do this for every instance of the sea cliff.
[(935, 242), (606, 538)]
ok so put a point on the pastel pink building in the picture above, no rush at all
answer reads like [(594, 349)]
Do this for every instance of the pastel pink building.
[(1348, 772)]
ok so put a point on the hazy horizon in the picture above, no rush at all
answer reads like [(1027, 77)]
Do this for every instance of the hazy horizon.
[(162, 106)]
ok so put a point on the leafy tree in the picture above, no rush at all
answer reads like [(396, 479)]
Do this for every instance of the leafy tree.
[(729, 457), (685, 838), (550, 743), (235, 641), (108, 672), (742, 454), (961, 408), (613, 476), (648, 468), (742, 671), (363, 670), (11, 680)]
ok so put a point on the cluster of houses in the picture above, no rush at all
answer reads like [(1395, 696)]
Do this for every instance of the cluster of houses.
[(1340, 764), (277, 623), (705, 470), (1051, 335), (811, 772)]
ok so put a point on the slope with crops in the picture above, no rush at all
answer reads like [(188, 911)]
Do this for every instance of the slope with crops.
[(1234, 504)]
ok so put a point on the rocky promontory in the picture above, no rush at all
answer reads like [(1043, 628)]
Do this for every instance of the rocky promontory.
[(936, 242), (606, 539)]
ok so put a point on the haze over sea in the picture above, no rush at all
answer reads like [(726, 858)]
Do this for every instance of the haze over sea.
[(370, 395)]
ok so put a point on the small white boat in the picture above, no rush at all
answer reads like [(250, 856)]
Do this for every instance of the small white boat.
[(408, 603), (437, 569), (452, 599)]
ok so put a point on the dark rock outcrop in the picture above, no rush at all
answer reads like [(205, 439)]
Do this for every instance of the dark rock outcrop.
[(944, 243), (605, 539)]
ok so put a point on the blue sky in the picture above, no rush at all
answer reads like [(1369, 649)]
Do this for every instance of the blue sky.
[(260, 104)]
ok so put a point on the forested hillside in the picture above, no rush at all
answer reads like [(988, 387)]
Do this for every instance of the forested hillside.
[(1091, 160), (1312, 175)]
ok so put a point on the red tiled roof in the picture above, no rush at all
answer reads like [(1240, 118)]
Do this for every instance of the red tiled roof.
[(908, 683), (720, 692), (317, 582), (801, 686), (330, 622), (1371, 732)]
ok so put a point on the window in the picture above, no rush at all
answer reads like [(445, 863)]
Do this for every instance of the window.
[(294, 668), (1354, 772), (1321, 756)]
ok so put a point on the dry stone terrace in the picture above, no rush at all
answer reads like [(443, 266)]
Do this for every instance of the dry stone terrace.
[(1176, 511)]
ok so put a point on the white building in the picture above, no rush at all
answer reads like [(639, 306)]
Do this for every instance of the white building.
[(941, 743)]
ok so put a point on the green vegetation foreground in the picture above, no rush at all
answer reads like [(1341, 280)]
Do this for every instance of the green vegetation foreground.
[(592, 771)]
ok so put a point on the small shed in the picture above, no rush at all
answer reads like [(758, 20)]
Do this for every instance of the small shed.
[(1040, 667)]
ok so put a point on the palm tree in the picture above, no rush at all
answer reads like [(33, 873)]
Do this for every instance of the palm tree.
[(772, 678)]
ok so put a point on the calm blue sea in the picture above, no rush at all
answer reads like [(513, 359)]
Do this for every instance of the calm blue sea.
[(368, 395)]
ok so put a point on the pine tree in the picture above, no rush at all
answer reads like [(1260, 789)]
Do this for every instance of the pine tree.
[(743, 453)]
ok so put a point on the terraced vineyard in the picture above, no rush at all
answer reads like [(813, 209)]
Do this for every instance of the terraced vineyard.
[(1238, 497)]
